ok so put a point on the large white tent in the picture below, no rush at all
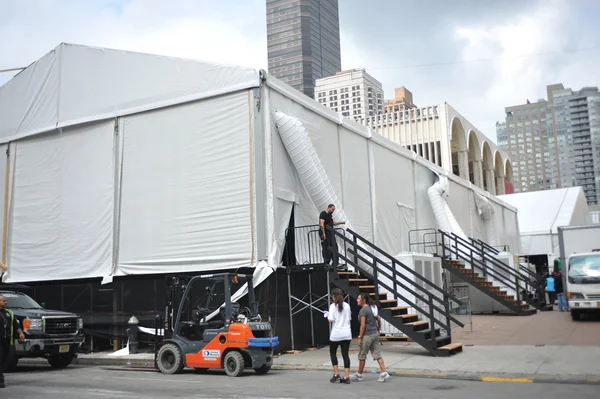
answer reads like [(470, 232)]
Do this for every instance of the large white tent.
[(122, 163), (541, 213)]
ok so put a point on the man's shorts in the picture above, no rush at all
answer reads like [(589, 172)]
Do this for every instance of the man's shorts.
[(370, 343)]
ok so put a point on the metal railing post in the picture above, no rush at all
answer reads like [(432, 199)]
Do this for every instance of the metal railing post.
[(447, 309), (376, 280)]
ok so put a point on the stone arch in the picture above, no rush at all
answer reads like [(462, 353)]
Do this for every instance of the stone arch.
[(499, 172), (458, 149), (489, 183), (475, 170), (508, 175)]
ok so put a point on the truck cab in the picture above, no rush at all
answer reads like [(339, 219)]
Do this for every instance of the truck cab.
[(50, 334), (583, 283)]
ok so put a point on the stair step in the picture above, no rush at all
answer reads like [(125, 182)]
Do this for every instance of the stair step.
[(358, 280), (418, 325), (382, 293), (398, 310), (450, 349), (388, 302), (366, 287), (407, 317), (428, 333)]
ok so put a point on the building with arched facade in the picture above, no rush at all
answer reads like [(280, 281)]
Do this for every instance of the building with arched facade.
[(443, 136)]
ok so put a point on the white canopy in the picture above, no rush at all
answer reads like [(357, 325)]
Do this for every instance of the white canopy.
[(150, 165), (540, 213), (74, 84)]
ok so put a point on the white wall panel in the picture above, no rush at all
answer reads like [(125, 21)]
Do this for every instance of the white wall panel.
[(356, 182), (61, 220), (393, 184), (186, 188)]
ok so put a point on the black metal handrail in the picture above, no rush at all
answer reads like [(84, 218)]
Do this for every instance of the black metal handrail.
[(485, 247), (413, 241), (498, 263), (307, 248), (471, 254), (379, 267)]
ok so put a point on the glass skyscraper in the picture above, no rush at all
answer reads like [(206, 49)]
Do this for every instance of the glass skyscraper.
[(303, 38), (555, 143)]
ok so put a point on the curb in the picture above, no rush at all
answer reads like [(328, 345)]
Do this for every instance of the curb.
[(474, 377), (148, 365)]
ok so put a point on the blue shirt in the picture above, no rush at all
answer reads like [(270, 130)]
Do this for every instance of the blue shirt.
[(550, 284)]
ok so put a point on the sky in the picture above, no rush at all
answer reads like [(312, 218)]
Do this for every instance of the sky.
[(434, 48)]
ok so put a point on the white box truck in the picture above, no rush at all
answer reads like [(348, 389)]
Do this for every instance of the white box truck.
[(580, 257)]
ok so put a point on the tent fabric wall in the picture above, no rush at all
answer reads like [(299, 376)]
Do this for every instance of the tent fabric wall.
[(61, 215), (29, 101), (540, 213), (394, 185), (356, 188), (379, 177), (186, 188), (76, 84)]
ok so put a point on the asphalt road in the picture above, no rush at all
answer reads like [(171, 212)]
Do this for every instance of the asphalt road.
[(33, 382)]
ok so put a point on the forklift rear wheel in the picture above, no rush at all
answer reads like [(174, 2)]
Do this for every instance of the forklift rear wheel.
[(234, 364), (170, 360), (264, 369)]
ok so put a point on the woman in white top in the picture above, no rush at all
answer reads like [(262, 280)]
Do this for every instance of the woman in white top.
[(341, 335)]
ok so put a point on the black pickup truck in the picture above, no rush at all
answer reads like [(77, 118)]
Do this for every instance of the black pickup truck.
[(49, 334)]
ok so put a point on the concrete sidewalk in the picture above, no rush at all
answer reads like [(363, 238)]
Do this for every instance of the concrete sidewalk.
[(524, 363)]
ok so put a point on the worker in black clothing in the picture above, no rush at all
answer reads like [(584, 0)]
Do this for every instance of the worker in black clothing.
[(327, 239), (8, 327)]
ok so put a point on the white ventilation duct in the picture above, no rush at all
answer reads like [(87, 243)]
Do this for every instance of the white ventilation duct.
[(307, 163), (488, 213), (309, 167), (443, 215)]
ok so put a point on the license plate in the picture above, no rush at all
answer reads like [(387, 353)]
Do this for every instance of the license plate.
[(64, 348)]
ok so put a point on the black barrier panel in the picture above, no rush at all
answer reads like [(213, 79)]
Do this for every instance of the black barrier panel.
[(107, 308)]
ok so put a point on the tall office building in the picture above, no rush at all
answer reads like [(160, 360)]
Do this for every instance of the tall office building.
[(303, 38), (353, 93), (556, 142)]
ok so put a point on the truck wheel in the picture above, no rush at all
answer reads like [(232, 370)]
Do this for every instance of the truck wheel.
[(60, 361), (234, 364), (170, 359), (575, 315), (264, 369)]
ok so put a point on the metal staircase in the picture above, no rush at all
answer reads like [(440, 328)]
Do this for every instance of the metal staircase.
[(475, 264), (396, 289)]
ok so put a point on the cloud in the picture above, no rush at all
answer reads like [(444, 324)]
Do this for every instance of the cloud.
[(202, 30), (384, 34)]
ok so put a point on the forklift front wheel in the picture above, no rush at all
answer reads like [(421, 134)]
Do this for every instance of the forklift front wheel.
[(170, 359), (234, 364)]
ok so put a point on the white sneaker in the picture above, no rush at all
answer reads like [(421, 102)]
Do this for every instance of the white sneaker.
[(356, 377), (383, 377)]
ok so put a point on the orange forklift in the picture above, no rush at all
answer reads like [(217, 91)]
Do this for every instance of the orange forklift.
[(234, 339)]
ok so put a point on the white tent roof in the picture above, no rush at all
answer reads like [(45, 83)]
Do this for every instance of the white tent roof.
[(545, 211), (75, 84)]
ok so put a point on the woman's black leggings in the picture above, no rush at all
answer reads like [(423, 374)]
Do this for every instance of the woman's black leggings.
[(333, 346)]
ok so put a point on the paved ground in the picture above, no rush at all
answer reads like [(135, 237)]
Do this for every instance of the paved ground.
[(95, 382), (544, 328), (546, 346)]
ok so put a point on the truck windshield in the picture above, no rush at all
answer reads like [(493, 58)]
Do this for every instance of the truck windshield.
[(19, 301), (584, 269)]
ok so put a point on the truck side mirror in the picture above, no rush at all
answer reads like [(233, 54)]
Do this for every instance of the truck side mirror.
[(43, 305)]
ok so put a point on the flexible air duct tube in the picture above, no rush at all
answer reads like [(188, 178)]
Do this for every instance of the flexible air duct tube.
[(443, 215), (309, 168), (488, 213), (307, 163)]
